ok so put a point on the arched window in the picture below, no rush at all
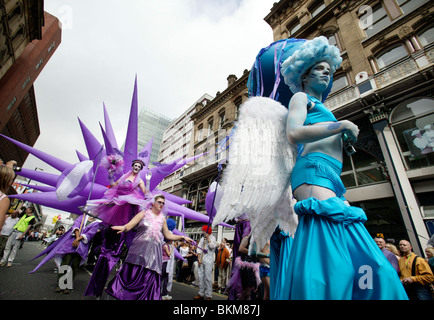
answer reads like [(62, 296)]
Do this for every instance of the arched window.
[(203, 190), (192, 196), (391, 55), (316, 8), (413, 125), (293, 26), (221, 118), (339, 82), (426, 37), (200, 134), (373, 19), (410, 5), (210, 125)]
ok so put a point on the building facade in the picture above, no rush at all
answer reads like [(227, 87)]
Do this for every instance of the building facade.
[(385, 86), (176, 144), (213, 123), (151, 125), (28, 38)]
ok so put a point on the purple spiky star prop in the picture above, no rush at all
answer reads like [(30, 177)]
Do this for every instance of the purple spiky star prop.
[(87, 179)]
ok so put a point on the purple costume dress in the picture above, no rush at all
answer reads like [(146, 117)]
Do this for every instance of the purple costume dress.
[(140, 275), (234, 286), (64, 244), (120, 203)]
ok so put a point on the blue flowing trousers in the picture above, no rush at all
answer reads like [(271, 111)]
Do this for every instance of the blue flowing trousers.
[(332, 256)]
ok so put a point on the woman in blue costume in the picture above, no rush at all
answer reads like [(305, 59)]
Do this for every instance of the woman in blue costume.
[(332, 256)]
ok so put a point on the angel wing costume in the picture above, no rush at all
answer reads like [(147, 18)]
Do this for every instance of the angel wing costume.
[(256, 180), (332, 255)]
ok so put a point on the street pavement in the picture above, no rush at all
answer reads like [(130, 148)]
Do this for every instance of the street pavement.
[(16, 283)]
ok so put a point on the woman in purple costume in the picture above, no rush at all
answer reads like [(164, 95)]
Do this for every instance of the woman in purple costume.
[(123, 200), (118, 206), (141, 274)]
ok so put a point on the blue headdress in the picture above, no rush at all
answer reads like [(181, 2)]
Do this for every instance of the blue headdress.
[(283, 63)]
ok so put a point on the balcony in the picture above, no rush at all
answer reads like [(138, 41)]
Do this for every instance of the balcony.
[(411, 67)]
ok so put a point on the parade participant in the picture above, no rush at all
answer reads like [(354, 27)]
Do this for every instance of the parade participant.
[(75, 249), (324, 215), (123, 200), (71, 248), (264, 269), (168, 263), (140, 276), (205, 252), (118, 206), (18, 232), (308, 134), (167, 269), (242, 229), (246, 277)]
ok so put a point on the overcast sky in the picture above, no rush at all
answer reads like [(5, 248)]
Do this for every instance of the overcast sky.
[(179, 50)]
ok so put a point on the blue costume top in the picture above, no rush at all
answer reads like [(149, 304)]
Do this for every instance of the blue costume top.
[(317, 113)]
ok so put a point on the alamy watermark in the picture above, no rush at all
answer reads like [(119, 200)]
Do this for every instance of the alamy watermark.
[(366, 278), (366, 17), (65, 281)]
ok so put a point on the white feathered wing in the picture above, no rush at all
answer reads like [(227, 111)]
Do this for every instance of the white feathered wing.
[(256, 180)]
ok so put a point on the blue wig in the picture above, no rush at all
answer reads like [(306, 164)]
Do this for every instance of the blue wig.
[(310, 53)]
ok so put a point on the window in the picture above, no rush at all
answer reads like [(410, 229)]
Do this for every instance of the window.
[(221, 119), (362, 169), (339, 82), (19, 35), (192, 196), (409, 5), (332, 40), (203, 190), (316, 9), (200, 133), (426, 37), (238, 101), (413, 125), (293, 27), (210, 125), (373, 19), (391, 55)]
